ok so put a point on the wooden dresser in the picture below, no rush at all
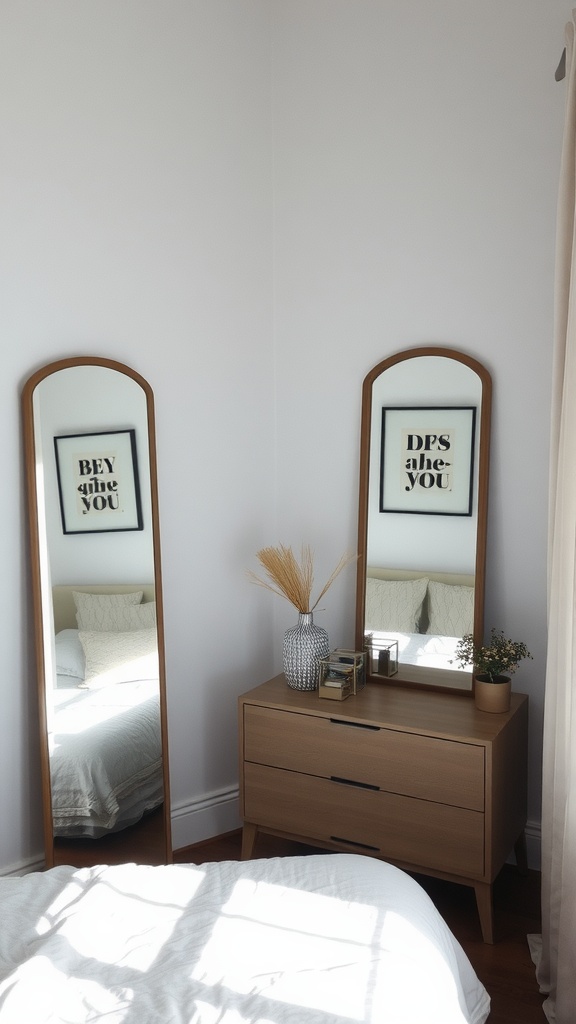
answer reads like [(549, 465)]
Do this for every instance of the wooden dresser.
[(420, 779)]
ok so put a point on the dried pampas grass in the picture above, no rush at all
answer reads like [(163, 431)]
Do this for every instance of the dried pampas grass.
[(291, 579)]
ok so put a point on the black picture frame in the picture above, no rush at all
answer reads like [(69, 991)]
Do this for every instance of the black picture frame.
[(427, 460), (98, 482)]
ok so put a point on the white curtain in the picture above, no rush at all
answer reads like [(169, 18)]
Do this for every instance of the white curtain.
[(556, 962)]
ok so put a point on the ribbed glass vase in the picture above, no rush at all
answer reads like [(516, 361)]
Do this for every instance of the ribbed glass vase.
[(304, 645)]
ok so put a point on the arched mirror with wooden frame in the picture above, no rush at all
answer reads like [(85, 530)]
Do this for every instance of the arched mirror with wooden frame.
[(90, 460), (424, 465)]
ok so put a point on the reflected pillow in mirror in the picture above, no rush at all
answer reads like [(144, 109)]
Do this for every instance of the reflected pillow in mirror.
[(394, 605), (138, 616), (105, 612), (69, 654), (450, 609), (119, 657)]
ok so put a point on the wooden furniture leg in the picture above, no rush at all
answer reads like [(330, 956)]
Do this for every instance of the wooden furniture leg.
[(483, 892), (249, 833)]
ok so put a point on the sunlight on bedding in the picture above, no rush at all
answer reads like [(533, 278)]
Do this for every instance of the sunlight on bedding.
[(433, 649), (81, 710), (425, 649), (431, 655), (105, 757), (72, 995), (317, 952), (324, 939), (145, 666), (292, 936), (114, 924)]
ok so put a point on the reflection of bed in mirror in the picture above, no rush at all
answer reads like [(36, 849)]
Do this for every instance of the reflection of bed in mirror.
[(104, 717), (426, 613)]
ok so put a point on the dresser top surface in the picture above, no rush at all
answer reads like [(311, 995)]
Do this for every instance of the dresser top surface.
[(446, 715)]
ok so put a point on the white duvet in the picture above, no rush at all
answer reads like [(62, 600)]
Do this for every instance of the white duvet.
[(328, 939), (427, 657), (105, 756)]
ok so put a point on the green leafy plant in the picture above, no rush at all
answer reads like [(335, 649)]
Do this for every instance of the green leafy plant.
[(500, 657)]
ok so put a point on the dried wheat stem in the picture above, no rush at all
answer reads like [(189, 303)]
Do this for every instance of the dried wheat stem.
[(291, 579)]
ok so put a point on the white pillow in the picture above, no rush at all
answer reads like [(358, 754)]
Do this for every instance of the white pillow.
[(138, 616), (394, 605), (119, 657), (450, 609), (69, 654), (70, 682), (104, 612)]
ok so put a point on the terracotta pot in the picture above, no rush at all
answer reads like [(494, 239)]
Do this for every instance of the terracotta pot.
[(493, 697)]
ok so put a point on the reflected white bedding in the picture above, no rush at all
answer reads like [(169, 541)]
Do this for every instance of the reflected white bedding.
[(424, 649), (105, 756), (327, 939), (426, 657)]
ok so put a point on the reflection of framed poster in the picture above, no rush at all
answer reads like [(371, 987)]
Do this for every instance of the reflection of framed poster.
[(98, 482), (427, 460)]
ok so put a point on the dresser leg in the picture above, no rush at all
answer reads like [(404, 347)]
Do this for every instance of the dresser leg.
[(249, 833), (483, 892)]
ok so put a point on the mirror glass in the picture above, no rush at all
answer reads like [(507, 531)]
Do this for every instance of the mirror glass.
[(95, 559), (422, 515)]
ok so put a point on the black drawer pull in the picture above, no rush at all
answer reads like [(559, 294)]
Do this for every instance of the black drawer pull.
[(352, 842), (352, 782), (355, 725)]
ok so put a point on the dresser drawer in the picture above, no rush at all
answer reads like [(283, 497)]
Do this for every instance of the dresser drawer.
[(444, 771), (384, 824)]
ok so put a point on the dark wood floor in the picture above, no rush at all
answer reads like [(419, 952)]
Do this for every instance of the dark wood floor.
[(143, 842), (504, 968)]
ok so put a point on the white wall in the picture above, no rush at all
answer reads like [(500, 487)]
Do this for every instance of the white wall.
[(414, 150), (417, 148), (136, 224)]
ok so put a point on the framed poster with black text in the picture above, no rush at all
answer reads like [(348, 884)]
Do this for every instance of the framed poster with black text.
[(427, 460), (98, 482)]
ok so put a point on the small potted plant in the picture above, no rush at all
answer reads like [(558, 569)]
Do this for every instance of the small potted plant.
[(493, 664)]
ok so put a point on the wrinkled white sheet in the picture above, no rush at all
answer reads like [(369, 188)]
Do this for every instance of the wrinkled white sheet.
[(424, 649), (105, 754), (427, 657), (327, 939)]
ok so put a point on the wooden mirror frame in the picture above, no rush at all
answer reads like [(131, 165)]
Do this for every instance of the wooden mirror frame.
[(482, 477), (40, 625)]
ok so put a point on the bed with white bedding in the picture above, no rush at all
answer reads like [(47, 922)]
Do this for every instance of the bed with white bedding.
[(324, 939), (105, 757), (103, 714), (426, 614)]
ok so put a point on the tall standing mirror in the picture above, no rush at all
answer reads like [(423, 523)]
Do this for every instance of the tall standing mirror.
[(90, 455), (424, 461)]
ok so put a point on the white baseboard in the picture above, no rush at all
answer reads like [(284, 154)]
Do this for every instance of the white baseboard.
[(206, 817), (192, 822), (534, 845), (24, 867)]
